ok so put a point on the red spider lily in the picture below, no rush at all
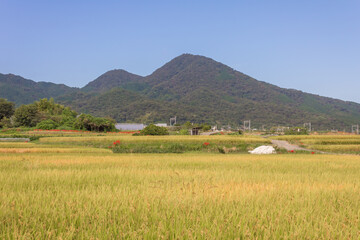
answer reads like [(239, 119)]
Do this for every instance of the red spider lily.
[(206, 144), (292, 151), (312, 152)]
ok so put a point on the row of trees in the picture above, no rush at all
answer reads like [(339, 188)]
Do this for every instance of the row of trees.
[(46, 114)]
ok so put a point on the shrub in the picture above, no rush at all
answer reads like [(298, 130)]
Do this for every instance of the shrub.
[(235, 133), (64, 127), (47, 125), (184, 132), (296, 131), (154, 130)]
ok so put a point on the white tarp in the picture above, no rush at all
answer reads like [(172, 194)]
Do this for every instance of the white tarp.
[(263, 150)]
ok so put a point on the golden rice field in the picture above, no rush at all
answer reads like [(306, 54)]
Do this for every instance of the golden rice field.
[(328, 143), (22, 147), (53, 150), (172, 138), (348, 148), (318, 137), (50, 193)]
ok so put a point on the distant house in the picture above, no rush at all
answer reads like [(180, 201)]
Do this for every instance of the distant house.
[(130, 126), (195, 131)]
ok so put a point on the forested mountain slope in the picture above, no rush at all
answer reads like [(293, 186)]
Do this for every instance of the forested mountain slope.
[(24, 91), (199, 89)]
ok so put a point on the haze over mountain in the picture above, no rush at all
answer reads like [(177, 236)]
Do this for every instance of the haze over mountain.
[(194, 88)]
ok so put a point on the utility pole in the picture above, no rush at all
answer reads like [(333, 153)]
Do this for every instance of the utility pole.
[(308, 126), (247, 125), (173, 121), (355, 129)]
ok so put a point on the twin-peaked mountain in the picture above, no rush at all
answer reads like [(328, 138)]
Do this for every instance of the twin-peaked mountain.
[(197, 89)]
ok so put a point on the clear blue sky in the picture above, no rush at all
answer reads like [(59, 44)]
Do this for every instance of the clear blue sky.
[(310, 45)]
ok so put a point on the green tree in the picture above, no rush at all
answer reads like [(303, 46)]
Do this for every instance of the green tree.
[(205, 127), (187, 125), (90, 123), (49, 107), (154, 130), (5, 123), (7, 108), (83, 122), (27, 115)]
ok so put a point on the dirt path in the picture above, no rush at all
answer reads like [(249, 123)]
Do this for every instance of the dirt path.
[(208, 133), (287, 146)]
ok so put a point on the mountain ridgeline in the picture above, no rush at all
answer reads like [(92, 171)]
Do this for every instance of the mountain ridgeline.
[(193, 88), (24, 91)]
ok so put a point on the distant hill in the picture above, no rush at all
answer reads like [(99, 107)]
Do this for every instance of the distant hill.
[(114, 78), (24, 91), (199, 89)]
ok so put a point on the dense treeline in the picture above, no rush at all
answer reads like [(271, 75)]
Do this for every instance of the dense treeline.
[(46, 114)]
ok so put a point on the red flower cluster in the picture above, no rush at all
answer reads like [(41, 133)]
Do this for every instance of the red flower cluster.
[(206, 144), (222, 133), (115, 143), (292, 151), (312, 152)]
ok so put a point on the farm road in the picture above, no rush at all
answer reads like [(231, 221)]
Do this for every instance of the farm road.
[(208, 133), (287, 146)]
